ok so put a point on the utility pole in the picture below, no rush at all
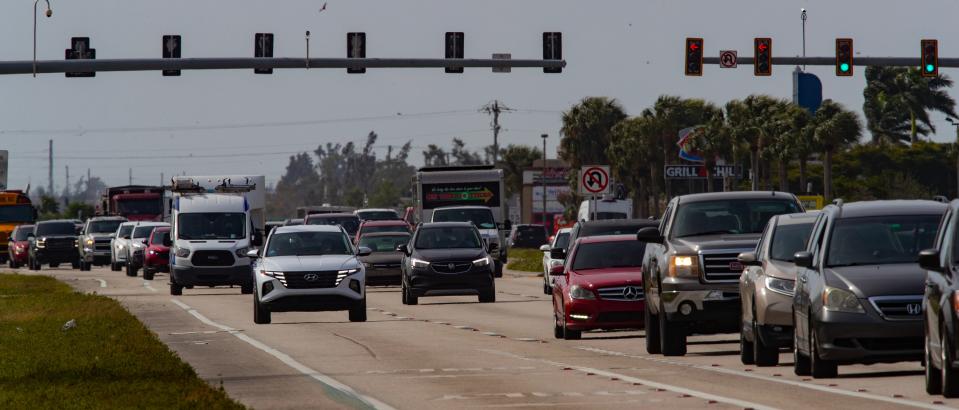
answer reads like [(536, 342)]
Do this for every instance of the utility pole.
[(542, 177), (66, 188), (130, 177), (956, 124), (50, 170), (161, 179), (495, 108)]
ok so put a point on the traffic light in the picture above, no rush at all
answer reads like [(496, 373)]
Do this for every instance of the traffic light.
[(930, 58), (356, 48), (263, 48), (171, 49), (553, 50), (454, 49), (80, 50), (844, 56), (763, 56), (694, 56)]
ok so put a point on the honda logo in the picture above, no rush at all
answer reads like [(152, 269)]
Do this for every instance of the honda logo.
[(311, 277), (914, 309)]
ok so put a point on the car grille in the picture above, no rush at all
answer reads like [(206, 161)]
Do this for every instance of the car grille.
[(721, 266), (451, 267), (310, 280), (898, 307), (622, 293), (101, 245), (212, 258), (385, 266), (59, 243), (617, 317)]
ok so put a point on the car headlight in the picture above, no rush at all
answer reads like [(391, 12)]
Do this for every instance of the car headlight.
[(182, 252), (838, 300), (347, 272), (482, 262), (684, 266), (579, 292), (555, 262), (89, 242), (242, 252), (272, 274), (417, 263), (120, 246), (782, 286), (42, 242), (152, 252)]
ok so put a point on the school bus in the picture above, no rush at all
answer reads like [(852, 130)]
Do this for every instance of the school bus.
[(15, 209)]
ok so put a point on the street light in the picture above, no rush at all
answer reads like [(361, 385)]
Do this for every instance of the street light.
[(542, 176), (49, 13), (956, 124)]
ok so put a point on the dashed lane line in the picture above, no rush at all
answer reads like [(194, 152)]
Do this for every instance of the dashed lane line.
[(347, 392), (147, 285)]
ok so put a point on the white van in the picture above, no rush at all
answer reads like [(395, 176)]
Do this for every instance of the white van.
[(600, 209)]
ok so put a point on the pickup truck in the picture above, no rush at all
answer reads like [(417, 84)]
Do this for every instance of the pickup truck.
[(690, 269)]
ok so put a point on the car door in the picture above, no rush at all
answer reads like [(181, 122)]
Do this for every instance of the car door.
[(752, 276), (655, 260), (801, 300), (939, 283)]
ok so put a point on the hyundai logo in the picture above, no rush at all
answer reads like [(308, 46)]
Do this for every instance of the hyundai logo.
[(311, 277), (914, 309), (630, 293), (735, 266)]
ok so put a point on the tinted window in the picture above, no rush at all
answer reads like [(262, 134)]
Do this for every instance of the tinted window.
[(125, 230), (377, 215), (393, 228), (56, 228), (308, 244), (787, 240), (142, 231), (214, 225), (619, 254), (562, 240), (16, 213), (384, 243), (482, 218), (20, 234), (103, 226), (881, 239), (160, 236), (350, 223), (140, 207), (447, 238), (609, 215), (616, 229), (729, 216)]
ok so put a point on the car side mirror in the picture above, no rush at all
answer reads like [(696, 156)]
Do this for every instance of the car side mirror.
[(257, 238), (558, 270), (929, 260), (557, 253), (403, 248), (363, 251), (803, 259), (253, 253), (145, 240), (31, 236), (748, 259), (649, 234), (167, 242), (493, 247), (544, 248)]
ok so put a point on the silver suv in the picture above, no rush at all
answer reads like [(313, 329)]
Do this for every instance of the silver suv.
[(94, 241)]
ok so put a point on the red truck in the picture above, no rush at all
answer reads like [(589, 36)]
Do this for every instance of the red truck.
[(134, 202)]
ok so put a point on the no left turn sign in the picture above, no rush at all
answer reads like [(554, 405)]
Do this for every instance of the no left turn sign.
[(594, 180)]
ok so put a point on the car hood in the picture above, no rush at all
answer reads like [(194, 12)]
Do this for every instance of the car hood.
[(878, 280), (715, 242), (449, 255), (309, 263), (780, 269), (603, 278)]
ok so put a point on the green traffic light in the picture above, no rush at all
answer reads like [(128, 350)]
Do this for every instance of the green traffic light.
[(930, 68), (844, 67)]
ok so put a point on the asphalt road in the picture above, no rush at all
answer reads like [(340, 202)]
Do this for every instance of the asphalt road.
[(453, 353)]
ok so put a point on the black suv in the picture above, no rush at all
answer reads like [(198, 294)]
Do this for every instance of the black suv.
[(941, 307), (527, 236), (447, 258), (54, 242), (858, 296)]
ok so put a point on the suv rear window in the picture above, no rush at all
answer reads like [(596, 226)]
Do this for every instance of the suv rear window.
[(125, 230), (604, 255)]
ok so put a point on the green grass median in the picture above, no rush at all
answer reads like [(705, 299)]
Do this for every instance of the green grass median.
[(525, 260), (108, 360)]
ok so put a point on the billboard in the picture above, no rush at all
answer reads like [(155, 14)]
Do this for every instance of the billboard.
[(461, 193)]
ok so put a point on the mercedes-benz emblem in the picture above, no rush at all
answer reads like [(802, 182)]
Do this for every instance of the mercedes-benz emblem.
[(914, 309), (311, 277), (630, 293)]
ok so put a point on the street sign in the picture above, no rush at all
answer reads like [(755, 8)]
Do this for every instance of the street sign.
[(728, 59), (4, 161), (594, 180), (454, 49), (80, 50), (502, 56), (811, 202), (263, 48), (356, 48), (699, 171), (553, 50), (171, 49)]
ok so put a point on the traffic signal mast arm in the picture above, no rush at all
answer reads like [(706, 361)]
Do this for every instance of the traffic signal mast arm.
[(831, 61)]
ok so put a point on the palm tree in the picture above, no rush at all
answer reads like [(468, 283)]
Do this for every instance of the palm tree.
[(586, 130), (630, 158), (835, 128), (898, 100), (713, 141), (787, 124), (747, 120)]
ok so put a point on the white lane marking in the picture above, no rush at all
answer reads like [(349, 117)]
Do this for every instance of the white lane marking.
[(289, 361), (650, 383), (752, 375), (146, 284), (103, 283)]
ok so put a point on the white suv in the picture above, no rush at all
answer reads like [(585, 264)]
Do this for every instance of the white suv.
[(120, 245), (309, 268)]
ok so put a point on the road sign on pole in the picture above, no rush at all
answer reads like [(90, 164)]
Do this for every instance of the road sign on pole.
[(356, 48), (171, 49), (4, 160), (454, 49), (728, 59), (80, 50), (263, 47), (594, 180), (502, 56)]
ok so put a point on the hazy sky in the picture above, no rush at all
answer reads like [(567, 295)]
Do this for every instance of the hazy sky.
[(630, 50)]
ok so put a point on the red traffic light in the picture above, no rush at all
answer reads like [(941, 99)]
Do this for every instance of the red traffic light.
[(762, 61), (694, 56)]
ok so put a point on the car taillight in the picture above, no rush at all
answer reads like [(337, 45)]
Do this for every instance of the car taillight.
[(955, 300)]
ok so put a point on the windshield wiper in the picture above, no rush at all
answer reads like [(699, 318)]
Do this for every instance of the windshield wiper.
[(716, 232)]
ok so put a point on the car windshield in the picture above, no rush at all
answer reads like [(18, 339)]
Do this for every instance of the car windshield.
[(142, 231), (562, 240), (16, 213), (389, 228), (605, 255), (160, 236), (377, 215), (103, 226), (22, 231), (448, 238), (734, 216), (56, 228), (787, 240), (124, 230), (881, 239), (308, 244), (384, 243), (482, 218), (212, 225), (350, 223), (140, 207)]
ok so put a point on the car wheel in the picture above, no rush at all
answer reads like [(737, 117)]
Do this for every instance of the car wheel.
[(246, 289), (35, 265), (933, 375), (763, 354), (488, 296), (129, 270), (746, 353), (547, 289), (950, 380), (358, 312), (800, 362), (75, 265), (175, 288), (820, 369), (672, 336), (411, 299), (558, 331), (498, 269), (651, 324), (261, 315), (148, 274)]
